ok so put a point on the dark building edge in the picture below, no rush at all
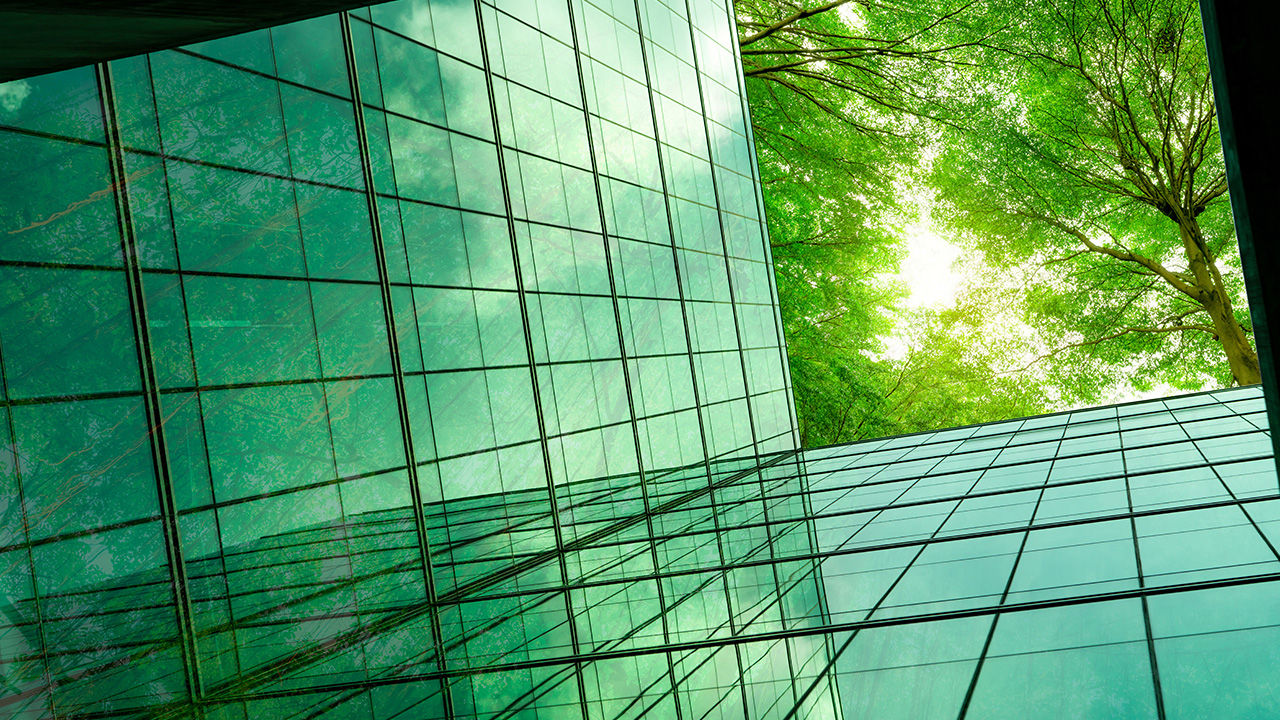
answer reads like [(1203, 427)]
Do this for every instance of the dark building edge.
[(1242, 64), (42, 37)]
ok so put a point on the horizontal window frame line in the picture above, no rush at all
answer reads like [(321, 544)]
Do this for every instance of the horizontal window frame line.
[(369, 21), (822, 556), (1013, 435), (775, 635), (45, 135), (785, 495), (872, 482), (1057, 413), (187, 51), (398, 618)]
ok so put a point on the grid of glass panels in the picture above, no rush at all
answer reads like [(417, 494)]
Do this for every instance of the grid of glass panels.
[(428, 303), (1103, 563), (457, 323)]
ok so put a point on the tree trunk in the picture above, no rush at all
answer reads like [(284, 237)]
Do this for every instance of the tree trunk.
[(1240, 353), (1214, 298)]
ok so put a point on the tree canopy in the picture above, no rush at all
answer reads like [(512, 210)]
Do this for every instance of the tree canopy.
[(1069, 148)]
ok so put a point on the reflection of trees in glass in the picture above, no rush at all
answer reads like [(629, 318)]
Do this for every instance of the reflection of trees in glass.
[(1069, 148)]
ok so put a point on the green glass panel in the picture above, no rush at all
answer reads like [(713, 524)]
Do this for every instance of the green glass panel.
[(375, 128), (231, 221), (501, 331), (366, 427), (150, 210), (352, 328), (251, 330), (910, 671), (1216, 650), (66, 332), (511, 397), (406, 321), (310, 52), (184, 443), (251, 50), (366, 59), (466, 98), (321, 132), (1201, 544), (424, 448), (463, 38), (411, 18), (447, 328), (266, 439), (135, 103), (56, 202), (417, 150), (167, 327), (62, 103), (489, 251), (460, 412), (216, 113), (84, 464), (1091, 658), (410, 78), (479, 184), (435, 246), (336, 234)]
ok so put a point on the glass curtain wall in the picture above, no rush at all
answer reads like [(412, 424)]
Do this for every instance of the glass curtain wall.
[(425, 302)]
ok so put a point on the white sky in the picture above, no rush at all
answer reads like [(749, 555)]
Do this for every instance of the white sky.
[(929, 270), (934, 271), (849, 13)]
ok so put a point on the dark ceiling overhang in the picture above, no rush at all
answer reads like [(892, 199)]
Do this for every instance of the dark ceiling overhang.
[(39, 37)]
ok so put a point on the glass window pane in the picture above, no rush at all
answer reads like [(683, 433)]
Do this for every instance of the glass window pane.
[(84, 464), (66, 332), (251, 330)]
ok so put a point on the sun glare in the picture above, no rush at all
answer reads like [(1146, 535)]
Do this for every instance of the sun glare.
[(929, 269)]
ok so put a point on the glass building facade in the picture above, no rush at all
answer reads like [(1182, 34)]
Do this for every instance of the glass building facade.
[(424, 361)]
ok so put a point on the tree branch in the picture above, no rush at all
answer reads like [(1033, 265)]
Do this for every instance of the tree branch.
[(791, 20)]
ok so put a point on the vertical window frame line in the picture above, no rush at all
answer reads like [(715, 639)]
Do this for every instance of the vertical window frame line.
[(12, 452), (828, 671), (315, 330), (829, 638), (1013, 571), (764, 228), (733, 301), (698, 406), (197, 395), (393, 347), (622, 349), (693, 365), (161, 467), (1157, 690), (806, 503), (724, 247), (1244, 507), (394, 196), (824, 614), (544, 443)]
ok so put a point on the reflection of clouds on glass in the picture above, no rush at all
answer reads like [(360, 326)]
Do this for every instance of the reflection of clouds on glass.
[(416, 20), (463, 39), (13, 94)]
